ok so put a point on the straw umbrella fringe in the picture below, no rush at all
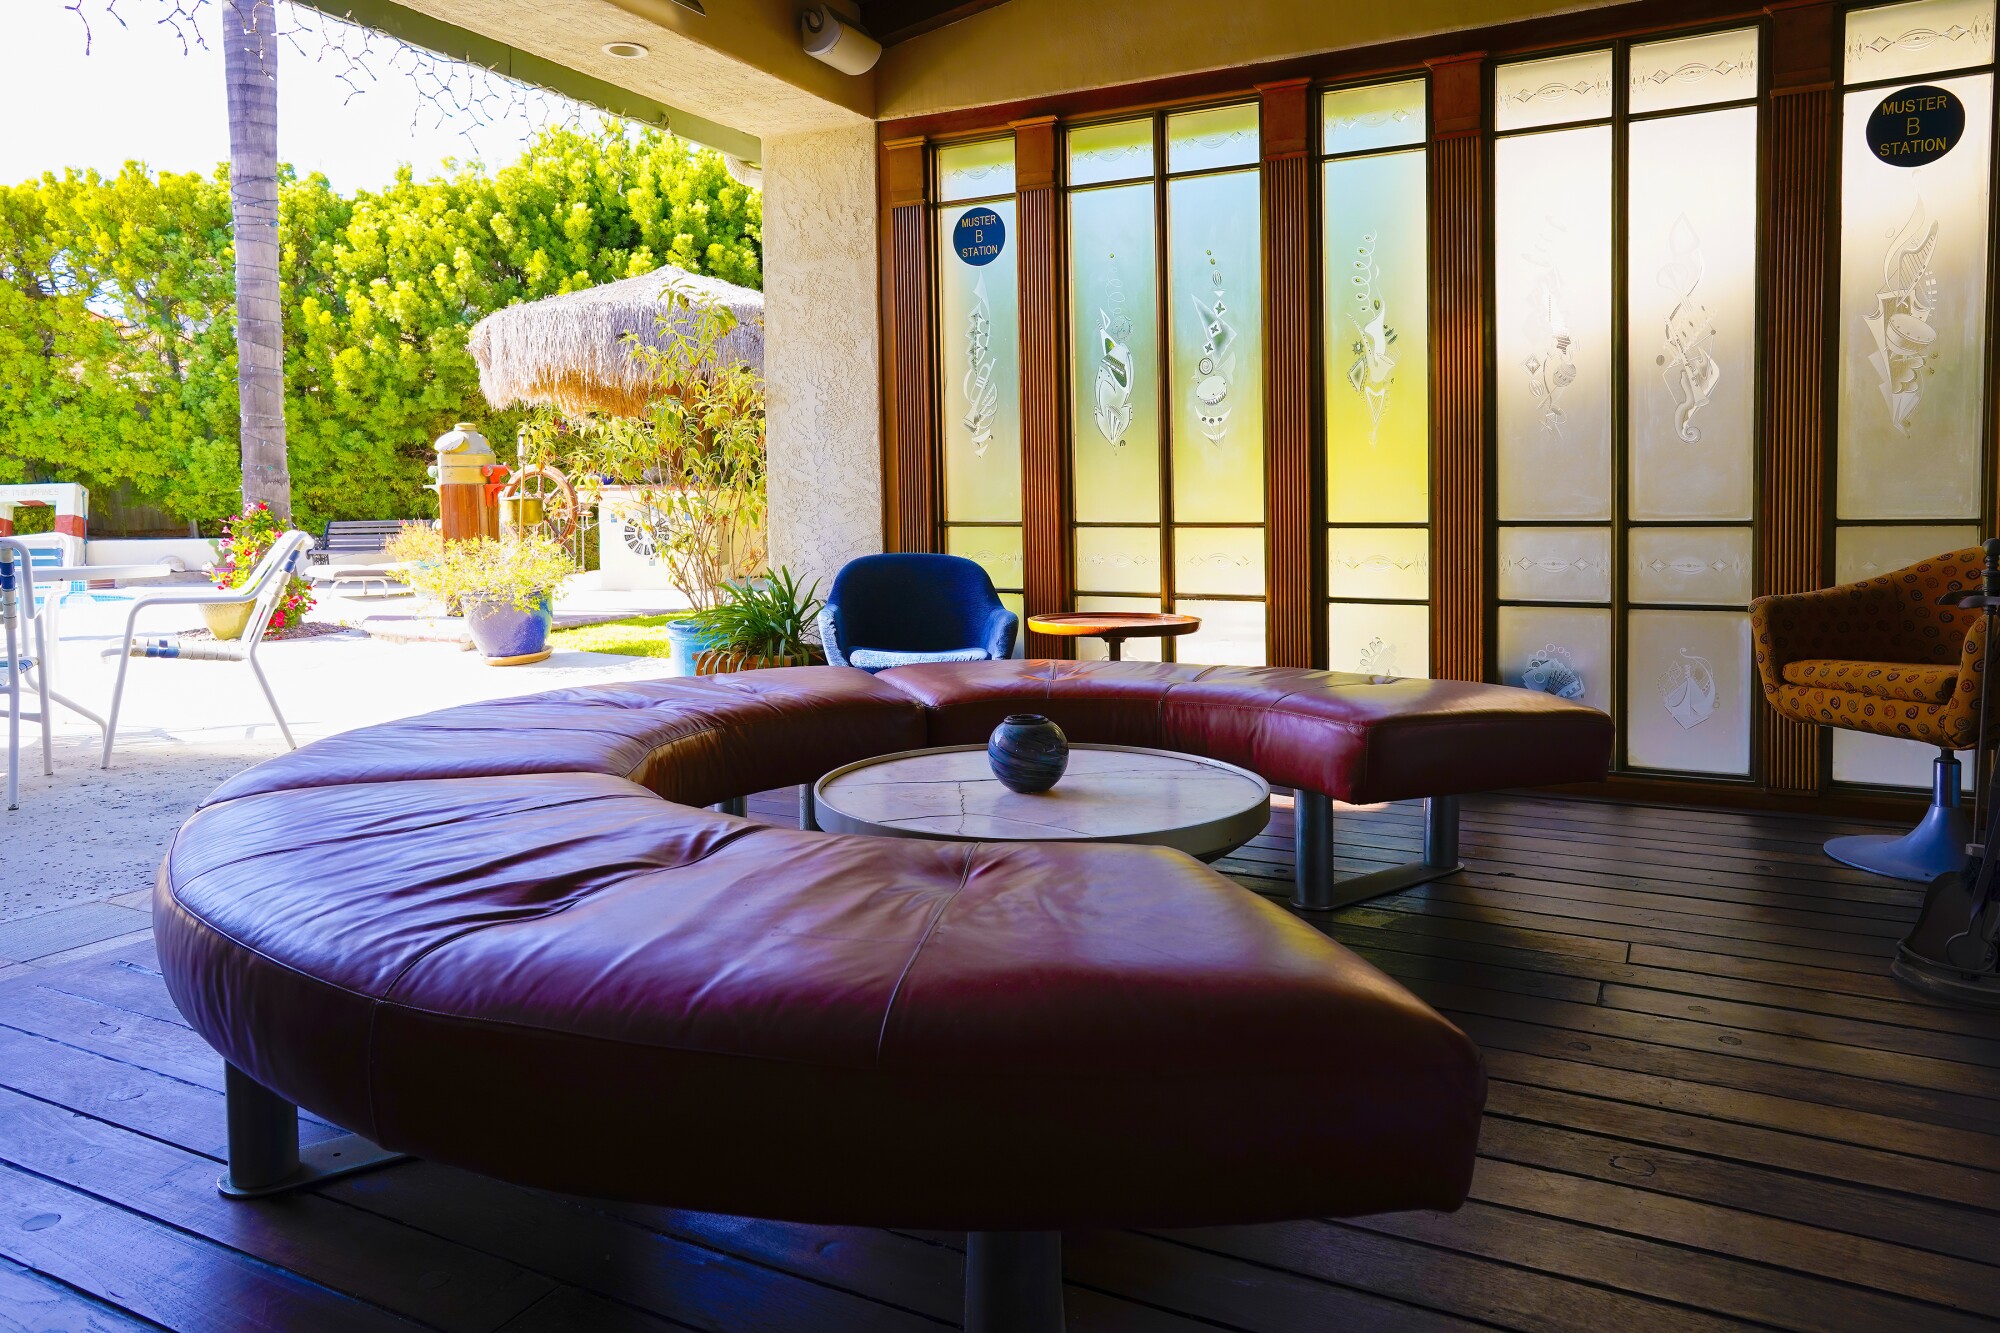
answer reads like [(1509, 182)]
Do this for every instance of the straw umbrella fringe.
[(576, 351)]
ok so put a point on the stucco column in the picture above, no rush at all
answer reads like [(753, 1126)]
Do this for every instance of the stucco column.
[(822, 353)]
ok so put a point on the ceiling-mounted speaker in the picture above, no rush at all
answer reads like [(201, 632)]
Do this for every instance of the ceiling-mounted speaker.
[(833, 40)]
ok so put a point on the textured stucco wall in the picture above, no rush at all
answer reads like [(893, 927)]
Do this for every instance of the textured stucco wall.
[(822, 358)]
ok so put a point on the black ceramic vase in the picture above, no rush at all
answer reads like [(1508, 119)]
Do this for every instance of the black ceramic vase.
[(1028, 752)]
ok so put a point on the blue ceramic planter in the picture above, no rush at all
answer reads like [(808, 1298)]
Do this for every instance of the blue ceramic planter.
[(688, 640), (1028, 753), (500, 629)]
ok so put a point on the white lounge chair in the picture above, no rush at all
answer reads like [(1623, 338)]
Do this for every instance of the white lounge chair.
[(265, 588), (21, 615)]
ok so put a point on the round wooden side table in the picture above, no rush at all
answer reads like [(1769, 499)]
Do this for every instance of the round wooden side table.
[(1114, 627)]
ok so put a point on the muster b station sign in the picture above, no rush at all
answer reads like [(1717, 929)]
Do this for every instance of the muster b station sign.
[(1914, 126)]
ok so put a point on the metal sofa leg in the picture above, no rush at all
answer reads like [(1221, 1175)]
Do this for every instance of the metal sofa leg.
[(264, 1153), (1934, 847), (1013, 1282), (808, 812), (735, 805), (1314, 888)]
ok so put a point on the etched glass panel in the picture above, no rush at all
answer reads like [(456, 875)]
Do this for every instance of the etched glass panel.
[(1379, 639), (1382, 115), (1688, 691), (1913, 319), (1561, 652), (1552, 252), (1698, 566), (1694, 71), (1216, 305), (1896, 41), (1120, 151), (1555, 564), (995, 550), (1115, 333), (1223, 136), (1553, 91), (1691, 385), (1379, 562), (1888, 761), (1219, 560), (976, 170), (979, 369), (1134, 650), (1231, 633), (1864, 553), (1377, 339), (1118, 560)]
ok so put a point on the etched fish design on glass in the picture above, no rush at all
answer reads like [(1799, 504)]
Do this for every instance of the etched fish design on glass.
[(982, 395), (1216, 366), (1900, 324), (1687, 355), (1374, 366), (1552, 369), (1688, 690), (1551, 671), (1113, 392)]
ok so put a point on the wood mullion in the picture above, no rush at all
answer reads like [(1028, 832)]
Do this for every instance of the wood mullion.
[(909, 434), (1291, 508), (1045, 489)]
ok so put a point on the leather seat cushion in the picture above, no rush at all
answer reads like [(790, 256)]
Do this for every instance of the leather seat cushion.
[(1913, 682), (1353, 737)]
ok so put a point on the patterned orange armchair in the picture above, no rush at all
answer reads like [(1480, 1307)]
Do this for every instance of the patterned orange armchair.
[(1883, 656)]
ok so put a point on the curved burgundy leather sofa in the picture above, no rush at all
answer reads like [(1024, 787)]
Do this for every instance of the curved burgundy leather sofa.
[(482, 936)]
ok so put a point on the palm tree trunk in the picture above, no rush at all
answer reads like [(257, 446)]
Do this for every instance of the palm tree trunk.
[(250, 67)]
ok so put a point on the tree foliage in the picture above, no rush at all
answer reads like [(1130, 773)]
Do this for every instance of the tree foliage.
[(117, 341)]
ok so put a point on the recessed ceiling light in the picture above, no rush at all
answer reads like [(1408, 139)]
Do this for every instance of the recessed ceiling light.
[(625, 50)]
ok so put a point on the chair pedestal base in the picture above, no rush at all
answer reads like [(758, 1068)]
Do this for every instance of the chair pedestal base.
[(1934, 847), (1942, 981)]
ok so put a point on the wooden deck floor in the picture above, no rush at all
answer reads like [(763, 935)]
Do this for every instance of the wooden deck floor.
[(1710, 1108)]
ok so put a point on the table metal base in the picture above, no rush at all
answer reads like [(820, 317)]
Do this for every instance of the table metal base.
[(1315, 889)]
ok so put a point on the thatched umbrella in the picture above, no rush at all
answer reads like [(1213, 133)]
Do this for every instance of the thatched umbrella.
[(576, 350)]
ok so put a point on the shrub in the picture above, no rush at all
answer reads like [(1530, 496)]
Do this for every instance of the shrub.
[(247, 538)]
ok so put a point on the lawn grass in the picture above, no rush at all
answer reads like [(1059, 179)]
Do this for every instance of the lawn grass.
[(638, 636)]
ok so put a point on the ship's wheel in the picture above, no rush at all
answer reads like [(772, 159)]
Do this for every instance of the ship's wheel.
[(544, 503)]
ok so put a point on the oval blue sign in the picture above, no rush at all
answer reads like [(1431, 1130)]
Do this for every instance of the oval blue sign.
[(1914, 126), (979, 236)]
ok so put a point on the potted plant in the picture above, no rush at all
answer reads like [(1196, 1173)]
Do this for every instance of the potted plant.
[(506, 589), (755, 623), (246, 538)]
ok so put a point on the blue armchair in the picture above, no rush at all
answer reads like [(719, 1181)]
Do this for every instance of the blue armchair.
[(896, 610)]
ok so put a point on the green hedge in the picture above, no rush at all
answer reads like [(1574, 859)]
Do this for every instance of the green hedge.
[(117, 339)]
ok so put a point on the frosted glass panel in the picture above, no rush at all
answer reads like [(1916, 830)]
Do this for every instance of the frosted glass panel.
[(976, 170), (1551, 92), (1555, 564), (1382, 115), (1564, 653), (1223, 136), (1689, 688), (1895, 41), (1913, 320), (979, 361), (1377, 336), (1115, 152), (1379, 640), (1231, 633), (1219, 560), (1552, 249), (1863, 553), (1135, 650), (997, 551), (1215, 297), (1118, 560), (1694, 71), (1691, 322), (1379, 562), (1887, 761), (1692, 565), (1115, 334)]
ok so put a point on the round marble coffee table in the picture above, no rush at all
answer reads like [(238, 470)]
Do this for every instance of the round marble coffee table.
[(1109, 793)]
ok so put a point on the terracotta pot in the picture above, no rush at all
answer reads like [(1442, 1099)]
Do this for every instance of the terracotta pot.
[(227, 620), (714, 661)]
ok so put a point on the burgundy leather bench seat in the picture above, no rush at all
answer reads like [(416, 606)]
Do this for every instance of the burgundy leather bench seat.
[(482, 937)]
